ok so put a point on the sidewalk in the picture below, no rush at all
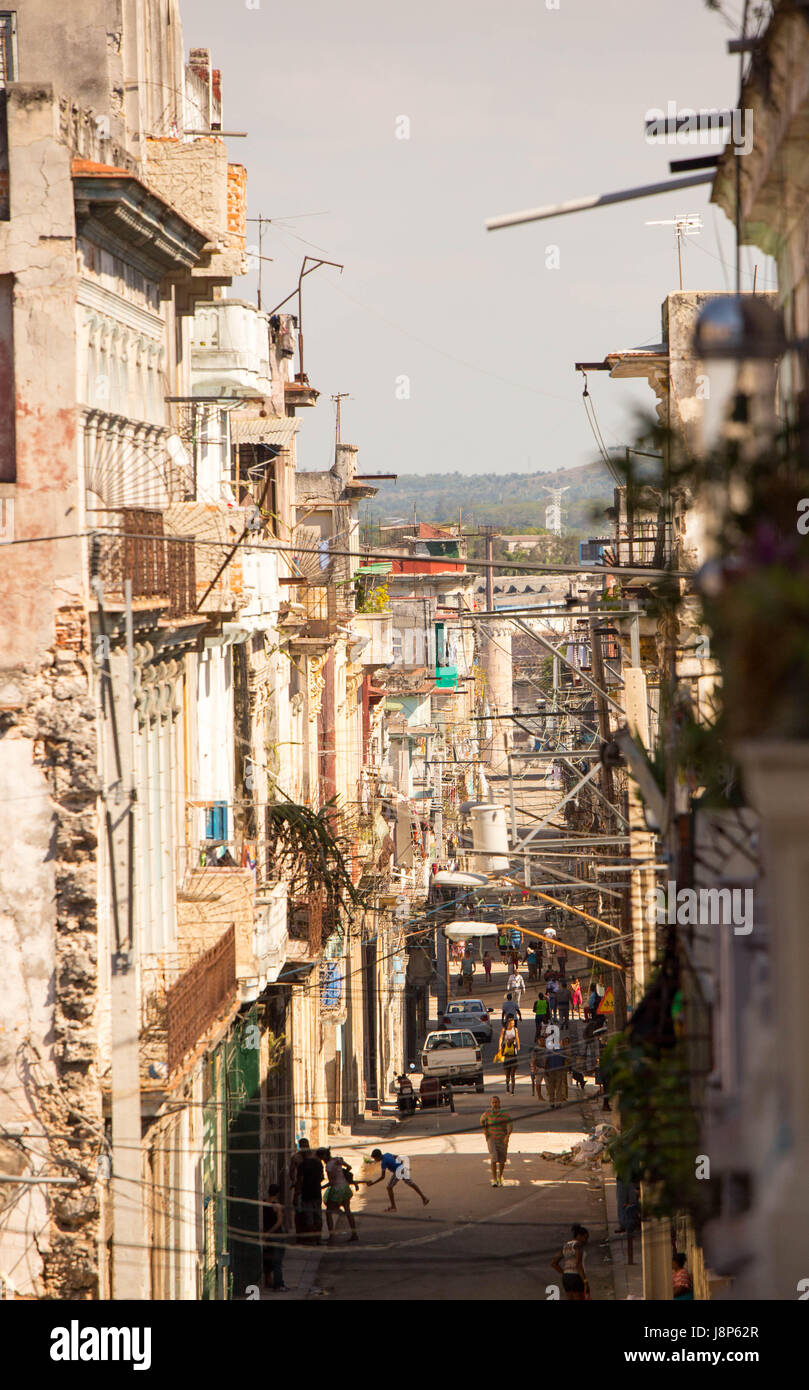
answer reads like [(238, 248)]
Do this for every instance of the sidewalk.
[(627, 1278), (300, 1274)]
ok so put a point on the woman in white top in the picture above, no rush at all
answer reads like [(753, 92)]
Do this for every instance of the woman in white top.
[(569, 1262)]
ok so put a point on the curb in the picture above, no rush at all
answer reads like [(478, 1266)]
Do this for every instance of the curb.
[(627, 1279)]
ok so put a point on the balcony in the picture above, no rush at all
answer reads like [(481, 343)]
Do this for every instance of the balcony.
[(134, 546), (195, 175), (374, 644), (310, 924), (213, 897), (181, 1001), (270, 943), (299, 393), (216, 528), (230, 349), (321, 610), (643, 541)]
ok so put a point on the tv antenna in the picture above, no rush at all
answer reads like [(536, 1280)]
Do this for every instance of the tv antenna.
[(687, 224)]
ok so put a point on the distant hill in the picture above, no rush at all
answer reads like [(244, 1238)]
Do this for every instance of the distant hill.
[(514, 500)]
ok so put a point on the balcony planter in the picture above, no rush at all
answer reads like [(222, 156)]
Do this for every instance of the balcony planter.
[(776, 777)]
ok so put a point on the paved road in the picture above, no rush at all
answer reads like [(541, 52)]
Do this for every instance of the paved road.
[(474, 1241)]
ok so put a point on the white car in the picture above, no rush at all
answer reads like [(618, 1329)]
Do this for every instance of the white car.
[(453, 1054), (471, 1014)]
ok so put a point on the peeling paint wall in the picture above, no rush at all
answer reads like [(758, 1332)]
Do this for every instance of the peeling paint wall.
[(49, 984)]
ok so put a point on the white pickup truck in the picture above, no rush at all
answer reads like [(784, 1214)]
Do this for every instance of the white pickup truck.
[(453, 1055)]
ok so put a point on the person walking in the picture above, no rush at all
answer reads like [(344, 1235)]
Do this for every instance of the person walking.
[(275, 1219), (592, 1001), (309, 1198), (556, 1077), (537, 1067), (497, 1126), (487, 967), (550, 989), (338, 1193), (468, 968), (303, 1151), (594, 1030), (502, 945), (576, 998), (399, 1169), (516, 985), (510, 1010), (540, 1014), (563, 1003), (569, 1262), (509, 1049), (531, 958)]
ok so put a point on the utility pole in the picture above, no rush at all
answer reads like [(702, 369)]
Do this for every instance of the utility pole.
[(261, 258), (129, 1248), (488, 539), (602, 709)]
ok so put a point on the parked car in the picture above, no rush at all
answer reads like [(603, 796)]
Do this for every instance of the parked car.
[(453, 1055), (471, 1014)]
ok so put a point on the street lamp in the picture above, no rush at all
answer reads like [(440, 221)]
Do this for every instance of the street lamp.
[(740, 328)]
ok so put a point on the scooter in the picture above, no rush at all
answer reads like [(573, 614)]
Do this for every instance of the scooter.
[(406, 1099)]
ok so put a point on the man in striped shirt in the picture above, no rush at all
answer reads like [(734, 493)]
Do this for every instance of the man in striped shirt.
[(497, 1126)]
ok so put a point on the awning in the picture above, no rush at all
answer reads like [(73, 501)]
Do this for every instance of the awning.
[(447, 879), (461, 931), (268, 429)]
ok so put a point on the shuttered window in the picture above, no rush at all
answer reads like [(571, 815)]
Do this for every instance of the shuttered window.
[(8, 46)]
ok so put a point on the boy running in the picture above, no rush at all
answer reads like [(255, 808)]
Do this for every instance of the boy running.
[(399, 1169)]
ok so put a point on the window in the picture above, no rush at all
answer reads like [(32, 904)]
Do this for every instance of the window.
[(216, 821), (8, 46), (331, 985), (440, 648)]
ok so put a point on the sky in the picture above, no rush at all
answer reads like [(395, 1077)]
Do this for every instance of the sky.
[(456, 346)]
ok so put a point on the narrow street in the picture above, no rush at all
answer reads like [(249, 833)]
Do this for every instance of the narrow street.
[(471, 622), (472, 1240)]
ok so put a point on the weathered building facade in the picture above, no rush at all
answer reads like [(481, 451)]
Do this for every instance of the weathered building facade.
[(182, 697)]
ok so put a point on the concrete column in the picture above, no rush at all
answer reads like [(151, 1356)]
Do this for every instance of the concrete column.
[(776, 775), (130, 1277), (496, 638), (641, 881), (655, 1243)]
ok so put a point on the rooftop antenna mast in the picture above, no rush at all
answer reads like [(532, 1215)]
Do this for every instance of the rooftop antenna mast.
[(686, 224), (338, 399), (262, 222)]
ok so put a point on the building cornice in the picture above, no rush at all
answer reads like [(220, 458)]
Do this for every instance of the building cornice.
[(112, 202)]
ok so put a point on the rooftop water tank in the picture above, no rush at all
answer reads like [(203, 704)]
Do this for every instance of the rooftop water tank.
[(489, 837)]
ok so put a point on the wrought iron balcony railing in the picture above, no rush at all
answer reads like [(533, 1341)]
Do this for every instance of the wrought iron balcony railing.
[(133, 546), (180, 1000)]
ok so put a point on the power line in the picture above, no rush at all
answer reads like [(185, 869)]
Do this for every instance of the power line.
[(290, 549)]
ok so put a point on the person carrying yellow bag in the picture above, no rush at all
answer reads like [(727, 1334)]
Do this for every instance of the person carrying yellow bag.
[(508, 1048)]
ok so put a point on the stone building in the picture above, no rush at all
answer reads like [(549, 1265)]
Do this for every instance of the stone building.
[(182, 679)]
